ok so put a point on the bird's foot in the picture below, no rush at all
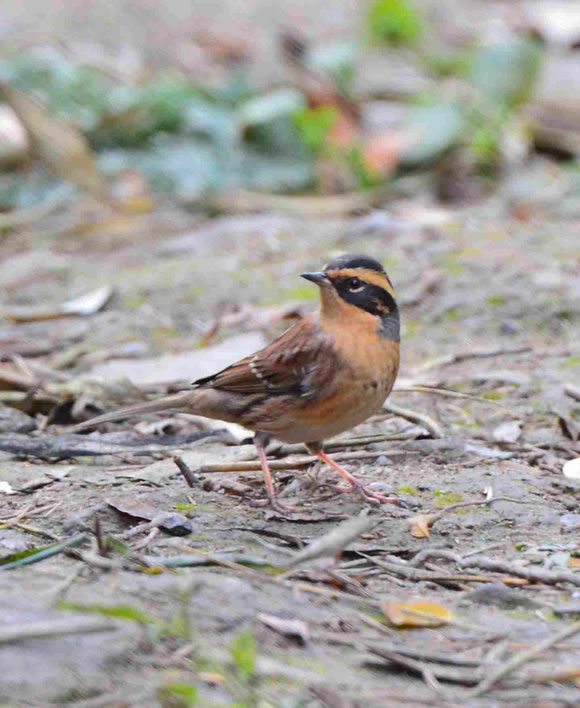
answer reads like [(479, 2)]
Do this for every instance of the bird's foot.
[(372, 498), (274, 504)]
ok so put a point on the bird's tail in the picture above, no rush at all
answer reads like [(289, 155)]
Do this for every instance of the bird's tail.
[(177, 401)]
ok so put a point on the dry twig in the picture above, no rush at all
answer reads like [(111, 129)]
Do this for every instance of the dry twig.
[(522, 658), (413, 417), (534, 575), (53, 628), (473, 354)]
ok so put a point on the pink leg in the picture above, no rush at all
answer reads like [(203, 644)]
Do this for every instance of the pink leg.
[(272, 500), (374, 498)]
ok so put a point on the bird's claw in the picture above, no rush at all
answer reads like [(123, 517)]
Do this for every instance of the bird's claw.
[(274, 504), (372, 498)]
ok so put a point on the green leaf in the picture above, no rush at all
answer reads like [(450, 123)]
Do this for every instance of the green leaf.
[(396, 22), (244, 651)]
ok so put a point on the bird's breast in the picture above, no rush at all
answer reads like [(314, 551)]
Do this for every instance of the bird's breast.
[(356, 392)]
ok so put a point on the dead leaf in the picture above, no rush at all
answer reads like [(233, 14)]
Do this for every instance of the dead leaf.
[(85, 305), (416, 614), (293, 628), (59, 145), (419, 525), (573, 563), (133, 507), (171, 522)]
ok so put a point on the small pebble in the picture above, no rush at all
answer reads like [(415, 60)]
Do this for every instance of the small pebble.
[(569, 523), (508, 327)]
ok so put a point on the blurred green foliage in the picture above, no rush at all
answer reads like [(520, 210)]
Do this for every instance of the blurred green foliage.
[(396, 22), (188, 138), (178, 694), (244, 652), (314, 124)]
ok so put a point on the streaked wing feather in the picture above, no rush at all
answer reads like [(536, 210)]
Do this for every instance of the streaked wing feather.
[(288, 365)]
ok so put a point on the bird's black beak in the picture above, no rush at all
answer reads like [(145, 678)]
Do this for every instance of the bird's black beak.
[(319, 278)]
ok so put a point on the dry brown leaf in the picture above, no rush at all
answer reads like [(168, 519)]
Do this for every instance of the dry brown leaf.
[(59, 145), (416, 614), (419, 525), (573, 563)]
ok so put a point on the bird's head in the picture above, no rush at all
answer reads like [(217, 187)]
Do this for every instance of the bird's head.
[(356, 288)]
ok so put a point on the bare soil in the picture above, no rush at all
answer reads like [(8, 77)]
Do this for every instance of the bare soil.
[(497, 283)]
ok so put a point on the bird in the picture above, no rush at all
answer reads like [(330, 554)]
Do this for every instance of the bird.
[(326, 374)]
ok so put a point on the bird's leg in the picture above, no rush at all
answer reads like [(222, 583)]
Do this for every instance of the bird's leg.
[(373, 498), (260, 441)]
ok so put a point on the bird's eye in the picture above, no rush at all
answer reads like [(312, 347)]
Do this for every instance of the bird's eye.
[(355, 284)]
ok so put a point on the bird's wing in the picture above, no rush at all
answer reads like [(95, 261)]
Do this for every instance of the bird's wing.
[(298, 362)]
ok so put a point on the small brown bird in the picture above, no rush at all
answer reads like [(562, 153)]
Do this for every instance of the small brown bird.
[(322, 376)]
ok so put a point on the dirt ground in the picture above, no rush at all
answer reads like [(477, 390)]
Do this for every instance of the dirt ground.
[(170, 595), (469, 281)]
